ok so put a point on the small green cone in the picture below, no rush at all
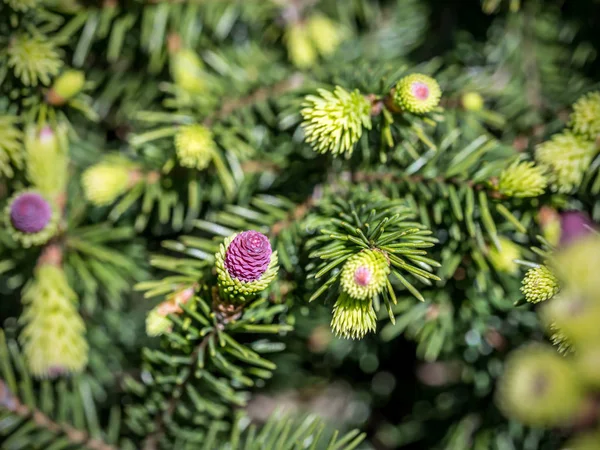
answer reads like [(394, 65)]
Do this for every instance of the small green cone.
[(417, 93), (472, 101), (364, 275), (585, 118), (65, 87), (103, 183), (326, 35), (195, 146), (539, 285)]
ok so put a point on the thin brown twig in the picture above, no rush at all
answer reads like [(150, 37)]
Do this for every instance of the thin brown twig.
[(298, 212), (229, 106), (257, 166), (13, 404)]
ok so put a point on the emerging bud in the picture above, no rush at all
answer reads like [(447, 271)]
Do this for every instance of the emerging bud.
[(472, 101), (539, 285), (103, 183), (504, 260), (325, 33), (65, 87), (353, 318), (53, 339), (417, 93), (157, 322), (567, 157), (47, 159), (522, 179), (187, 70), (364, 275), (33, 60), (195, 146), (334, 121), (549, 221), (585, 118), (300, 47)]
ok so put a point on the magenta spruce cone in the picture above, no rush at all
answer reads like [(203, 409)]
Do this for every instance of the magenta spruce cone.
[(30, 218), (248, 256), (245, 265), (574, 225), (30, 213)]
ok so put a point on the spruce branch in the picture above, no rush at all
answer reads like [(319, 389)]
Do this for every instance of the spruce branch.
[(297, 213), (13, 404), (162, 417), (530, 66), (370, 177), (229, 106)]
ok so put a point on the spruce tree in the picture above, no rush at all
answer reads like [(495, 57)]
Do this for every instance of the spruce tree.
[(299, 224)]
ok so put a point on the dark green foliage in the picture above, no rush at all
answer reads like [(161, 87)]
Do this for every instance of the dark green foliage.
[(425, 189)]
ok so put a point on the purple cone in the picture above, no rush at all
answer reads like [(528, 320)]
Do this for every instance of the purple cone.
[(574, 225), (248, 256), (30, 213)]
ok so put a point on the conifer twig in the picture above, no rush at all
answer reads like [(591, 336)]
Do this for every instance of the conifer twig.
[(261, 94), (151, 442), (298, 212), (13, 404), (361, 176)]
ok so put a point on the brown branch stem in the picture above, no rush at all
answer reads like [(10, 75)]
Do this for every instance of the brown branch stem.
[(229, 106), (297, 213)]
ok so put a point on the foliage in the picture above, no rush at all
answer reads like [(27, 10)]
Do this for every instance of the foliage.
[(227, 222)]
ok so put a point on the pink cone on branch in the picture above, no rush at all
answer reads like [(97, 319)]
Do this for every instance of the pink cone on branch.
[(30, 213), (573, 226), (248, 256)]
